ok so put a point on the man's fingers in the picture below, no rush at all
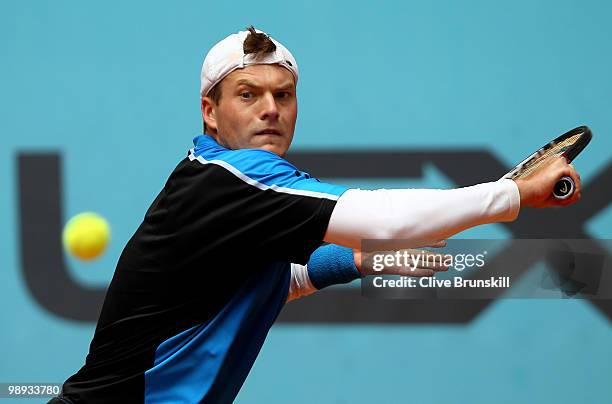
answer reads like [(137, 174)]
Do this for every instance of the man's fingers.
[(569, 170), (576, 177), (422, 263), (430, 260), (558, 168), (438, 244), (437, 264), (418, 263), (417, 272)]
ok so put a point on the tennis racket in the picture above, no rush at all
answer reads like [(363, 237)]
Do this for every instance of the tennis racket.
[(568, 145)]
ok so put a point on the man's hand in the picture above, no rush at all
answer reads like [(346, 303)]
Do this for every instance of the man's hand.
[(427, 265), (536, 189)]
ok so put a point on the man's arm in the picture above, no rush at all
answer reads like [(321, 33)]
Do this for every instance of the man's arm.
[(417, 216), (333, 264)]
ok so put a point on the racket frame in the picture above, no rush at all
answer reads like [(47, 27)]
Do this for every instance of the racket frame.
[(569, 154)]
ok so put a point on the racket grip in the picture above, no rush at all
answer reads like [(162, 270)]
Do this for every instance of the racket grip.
[(564, 188)]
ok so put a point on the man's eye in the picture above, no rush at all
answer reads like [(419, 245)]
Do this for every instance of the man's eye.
[(246, 95), (283, 94)]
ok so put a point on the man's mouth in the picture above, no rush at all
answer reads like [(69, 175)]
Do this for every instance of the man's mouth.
[(269, 132)]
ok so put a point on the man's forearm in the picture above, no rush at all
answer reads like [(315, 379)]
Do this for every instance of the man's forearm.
[(419, 216)]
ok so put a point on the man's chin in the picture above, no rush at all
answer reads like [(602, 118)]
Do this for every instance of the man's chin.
[(274, 148), (277, 147)]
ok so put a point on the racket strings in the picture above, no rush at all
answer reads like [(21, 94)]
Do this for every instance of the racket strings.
[(553, 149)]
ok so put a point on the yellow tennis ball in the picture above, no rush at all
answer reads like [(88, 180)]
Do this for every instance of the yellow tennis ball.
[(86, 235)]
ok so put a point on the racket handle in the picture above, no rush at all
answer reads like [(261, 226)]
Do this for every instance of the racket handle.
[(564, 188)]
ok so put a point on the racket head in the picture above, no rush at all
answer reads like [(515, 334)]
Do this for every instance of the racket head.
[(569, 145)]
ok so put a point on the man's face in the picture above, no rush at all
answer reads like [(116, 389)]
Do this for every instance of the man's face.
[(257, 109)]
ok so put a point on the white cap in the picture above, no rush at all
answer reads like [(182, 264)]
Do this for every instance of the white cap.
[(228, 55)]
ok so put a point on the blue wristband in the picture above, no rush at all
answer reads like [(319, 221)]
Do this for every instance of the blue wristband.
[(330, 265)]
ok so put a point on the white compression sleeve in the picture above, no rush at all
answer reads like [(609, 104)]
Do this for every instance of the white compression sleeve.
[(419, 215), (300, 282)]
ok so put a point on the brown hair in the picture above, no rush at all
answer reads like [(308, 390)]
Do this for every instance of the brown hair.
[(255, 42)]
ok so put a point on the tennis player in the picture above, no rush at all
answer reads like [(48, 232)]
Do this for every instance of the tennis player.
[(236, 226)]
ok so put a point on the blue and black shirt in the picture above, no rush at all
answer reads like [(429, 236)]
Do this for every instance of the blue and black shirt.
[(200, 283)]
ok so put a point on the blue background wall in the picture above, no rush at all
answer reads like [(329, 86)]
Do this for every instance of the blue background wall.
[(113, 86)]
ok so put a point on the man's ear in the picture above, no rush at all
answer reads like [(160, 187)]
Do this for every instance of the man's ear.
[(208, 115)]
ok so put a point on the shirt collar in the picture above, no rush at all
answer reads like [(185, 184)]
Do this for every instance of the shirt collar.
[(206, 141)]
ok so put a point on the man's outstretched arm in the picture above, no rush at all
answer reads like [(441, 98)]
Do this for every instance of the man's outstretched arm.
[(417, 216)]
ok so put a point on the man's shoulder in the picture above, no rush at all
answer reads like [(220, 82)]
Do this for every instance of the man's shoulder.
[(246, 164), (249, 168), (243, 160)]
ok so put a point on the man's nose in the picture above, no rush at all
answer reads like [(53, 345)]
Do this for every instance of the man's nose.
[(269, 107)]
